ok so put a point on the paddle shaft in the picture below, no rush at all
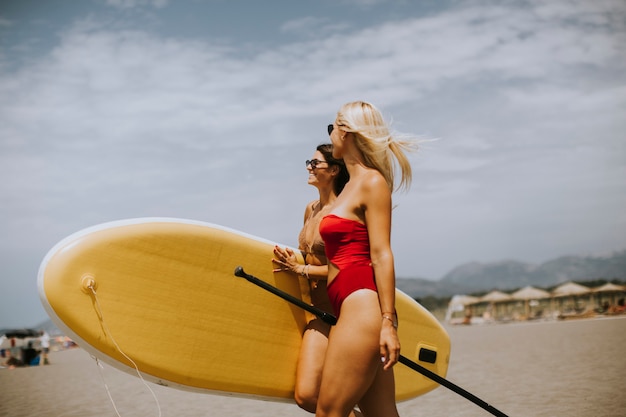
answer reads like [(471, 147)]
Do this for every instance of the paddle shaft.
[(332, 320)]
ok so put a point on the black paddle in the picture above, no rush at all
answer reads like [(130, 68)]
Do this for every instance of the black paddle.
[(332, 320)]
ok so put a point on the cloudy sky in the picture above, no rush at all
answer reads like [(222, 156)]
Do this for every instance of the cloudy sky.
[(207, 109)]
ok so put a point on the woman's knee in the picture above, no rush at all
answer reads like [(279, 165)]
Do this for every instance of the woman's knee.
[(306, 401), (306, 395)]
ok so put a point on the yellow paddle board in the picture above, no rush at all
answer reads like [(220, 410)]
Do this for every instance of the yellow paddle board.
[(162, 293)]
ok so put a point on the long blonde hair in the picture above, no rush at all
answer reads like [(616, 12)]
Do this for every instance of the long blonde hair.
[(381, 149)]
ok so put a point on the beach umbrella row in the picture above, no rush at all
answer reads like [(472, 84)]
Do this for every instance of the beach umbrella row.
[(530, 293)]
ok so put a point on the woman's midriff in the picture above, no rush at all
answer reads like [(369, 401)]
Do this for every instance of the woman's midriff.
[(319, 296)]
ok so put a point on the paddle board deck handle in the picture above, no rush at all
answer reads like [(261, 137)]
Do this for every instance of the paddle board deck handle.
[(332, 320)]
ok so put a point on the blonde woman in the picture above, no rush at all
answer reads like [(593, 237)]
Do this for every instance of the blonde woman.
[(363, 346)]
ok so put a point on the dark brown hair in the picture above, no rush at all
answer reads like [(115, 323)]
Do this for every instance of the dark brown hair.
[(342, 177)]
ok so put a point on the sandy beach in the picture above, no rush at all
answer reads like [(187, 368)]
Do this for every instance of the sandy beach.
[(569, 368)]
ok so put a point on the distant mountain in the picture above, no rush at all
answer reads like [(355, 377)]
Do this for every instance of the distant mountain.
[(418, 287), (502, 274), (49, 327), (506, 275)]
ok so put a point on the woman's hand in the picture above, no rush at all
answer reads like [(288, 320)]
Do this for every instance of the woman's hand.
[(389, 344), (286, 260)]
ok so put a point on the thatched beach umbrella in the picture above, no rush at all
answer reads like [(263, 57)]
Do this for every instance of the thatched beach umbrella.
[(529, 293), (610, 289), (459, 303), (493, 298), (570, 289)]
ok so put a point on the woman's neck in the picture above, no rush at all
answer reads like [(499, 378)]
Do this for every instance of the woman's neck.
[(353, 158), (355, 166), (327, 196)]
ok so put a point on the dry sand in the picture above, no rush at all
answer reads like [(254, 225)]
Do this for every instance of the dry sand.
[(571, 368)]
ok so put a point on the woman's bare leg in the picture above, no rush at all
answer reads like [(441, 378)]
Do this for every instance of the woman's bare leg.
[(353, 360), (310, 364), (380, 399)]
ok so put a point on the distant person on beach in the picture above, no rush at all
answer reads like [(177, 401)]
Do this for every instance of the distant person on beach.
[(30, 354), (363, 346), (329, 176), (44, 339), (11, 361)]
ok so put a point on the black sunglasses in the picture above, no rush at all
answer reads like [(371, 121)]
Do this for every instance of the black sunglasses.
[(330, 129), (314, 163)]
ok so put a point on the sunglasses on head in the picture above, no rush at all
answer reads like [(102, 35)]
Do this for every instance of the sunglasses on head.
[(314, 163)]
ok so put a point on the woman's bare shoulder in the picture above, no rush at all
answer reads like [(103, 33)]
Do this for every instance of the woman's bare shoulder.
[(373, 181), (309, 208)]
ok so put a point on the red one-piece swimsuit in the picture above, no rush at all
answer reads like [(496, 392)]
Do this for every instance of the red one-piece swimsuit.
[(347, 247)]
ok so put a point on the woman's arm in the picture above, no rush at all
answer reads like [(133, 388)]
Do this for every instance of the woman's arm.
[(377, 210), (288, 260)]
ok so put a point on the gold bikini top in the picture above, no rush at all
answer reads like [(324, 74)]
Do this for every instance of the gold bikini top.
[(316, 245)]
